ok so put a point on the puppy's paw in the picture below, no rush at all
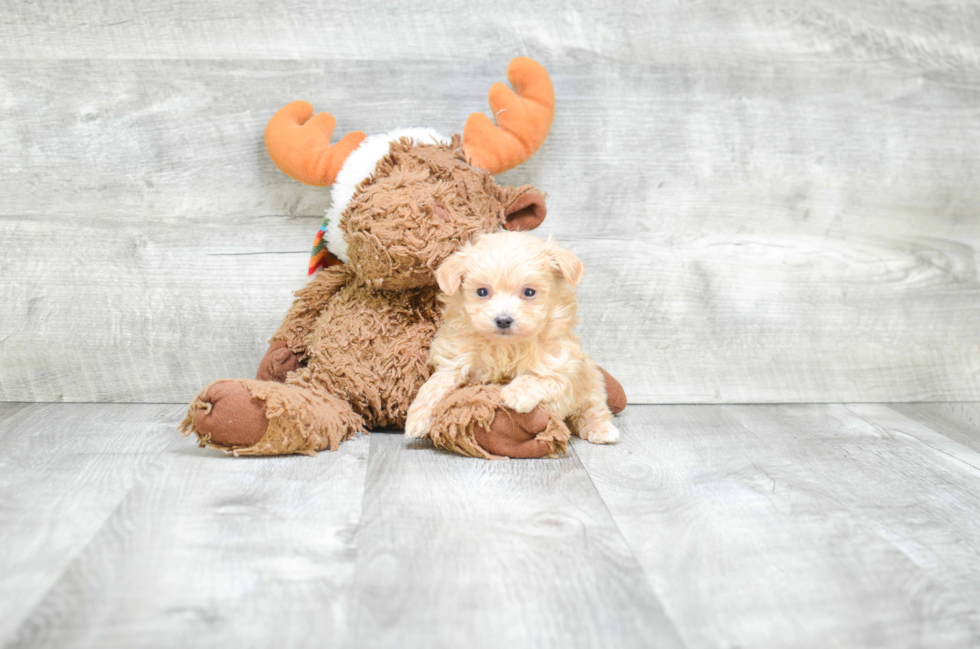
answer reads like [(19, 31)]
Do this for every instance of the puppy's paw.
[(417, 425), (604, 433), (517, 399)]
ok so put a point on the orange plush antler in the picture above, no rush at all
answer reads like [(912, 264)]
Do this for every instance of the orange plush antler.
[(300, 146), (523, 120)]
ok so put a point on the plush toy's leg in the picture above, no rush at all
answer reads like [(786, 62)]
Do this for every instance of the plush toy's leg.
[(246, 417), (473, 421), (615, 395)]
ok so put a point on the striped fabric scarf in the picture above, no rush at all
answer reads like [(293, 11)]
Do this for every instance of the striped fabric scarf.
[(321, 257)]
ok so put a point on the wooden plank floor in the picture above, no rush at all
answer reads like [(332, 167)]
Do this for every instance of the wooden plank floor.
[(707, 526)]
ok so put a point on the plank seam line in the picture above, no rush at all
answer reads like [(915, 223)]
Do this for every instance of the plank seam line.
[(919, 439), (646, 578), (25, 620)]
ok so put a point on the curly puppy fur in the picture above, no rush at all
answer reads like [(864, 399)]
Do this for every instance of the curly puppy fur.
[(509, 317), (363, 330)]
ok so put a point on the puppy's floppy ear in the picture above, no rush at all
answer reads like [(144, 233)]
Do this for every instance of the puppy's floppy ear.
[(568, 264), (450, 272), (524, 208)]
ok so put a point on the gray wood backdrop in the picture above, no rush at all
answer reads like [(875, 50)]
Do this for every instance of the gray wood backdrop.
[(775, 201)]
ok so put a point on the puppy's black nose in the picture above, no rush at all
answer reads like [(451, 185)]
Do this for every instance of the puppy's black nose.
[(503, 321)]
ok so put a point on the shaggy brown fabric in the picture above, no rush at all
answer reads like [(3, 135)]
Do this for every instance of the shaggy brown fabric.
[(369, 347), (472, 421), (305, 311), (615, 395), (277, 363), (300, 420), (351, 352), (422, 203)]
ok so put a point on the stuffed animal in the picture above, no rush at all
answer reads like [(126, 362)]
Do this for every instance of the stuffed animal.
[(351, 352)]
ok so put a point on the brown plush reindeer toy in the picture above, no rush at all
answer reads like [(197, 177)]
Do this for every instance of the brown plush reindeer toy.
[(351, 352)]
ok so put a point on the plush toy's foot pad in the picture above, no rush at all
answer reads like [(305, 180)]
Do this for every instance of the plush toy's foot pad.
[(473, 421), (246, 417), (226, 414), (514, 434)]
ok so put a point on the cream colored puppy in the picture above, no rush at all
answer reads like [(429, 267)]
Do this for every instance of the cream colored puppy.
[(509, 317)]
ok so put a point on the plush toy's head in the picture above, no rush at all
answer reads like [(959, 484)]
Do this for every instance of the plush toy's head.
[(404, 201)]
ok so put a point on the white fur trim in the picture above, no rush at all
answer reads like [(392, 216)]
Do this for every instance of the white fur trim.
[(358, 166)]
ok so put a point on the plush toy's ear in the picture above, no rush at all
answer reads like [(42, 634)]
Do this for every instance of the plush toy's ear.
[(568, 265), (526, 211), (449, 275)]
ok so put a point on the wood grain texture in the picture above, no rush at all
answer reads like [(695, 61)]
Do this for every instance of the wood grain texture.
[(798, 526), (461, 552), (958, 421), (143, 311), (64, 468), (775, 202), (213, 551), (744, 233), (941, 32), (706, 526)]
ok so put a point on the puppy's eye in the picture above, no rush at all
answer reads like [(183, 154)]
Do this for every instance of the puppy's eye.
[(482, 292), (529, 292)]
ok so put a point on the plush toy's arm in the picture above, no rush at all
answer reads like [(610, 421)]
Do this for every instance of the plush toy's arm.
[(287, 348), (310, 300)]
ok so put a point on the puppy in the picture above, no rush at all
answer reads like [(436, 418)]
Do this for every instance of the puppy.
[(509, 317)]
